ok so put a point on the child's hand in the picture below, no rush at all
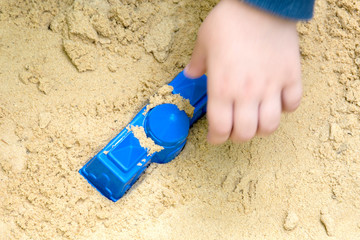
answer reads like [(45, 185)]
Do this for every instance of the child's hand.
[(253, 65)]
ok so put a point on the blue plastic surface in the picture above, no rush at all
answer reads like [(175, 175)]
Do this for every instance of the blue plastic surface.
[(167, 118), (121, 162)]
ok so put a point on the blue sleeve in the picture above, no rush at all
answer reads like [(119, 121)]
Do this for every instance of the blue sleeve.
[(291, 9)]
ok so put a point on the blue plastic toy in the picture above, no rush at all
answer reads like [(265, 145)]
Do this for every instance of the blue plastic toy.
[(119, 165)]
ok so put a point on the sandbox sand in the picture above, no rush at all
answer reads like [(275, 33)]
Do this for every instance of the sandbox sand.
[(73, 74)]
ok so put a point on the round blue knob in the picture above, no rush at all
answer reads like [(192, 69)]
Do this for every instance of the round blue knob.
[(167, 125)]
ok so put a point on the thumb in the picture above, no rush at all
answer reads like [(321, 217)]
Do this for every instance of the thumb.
[(197, 66)]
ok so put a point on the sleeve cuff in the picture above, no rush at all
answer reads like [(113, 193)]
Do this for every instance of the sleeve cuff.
[(290, 9)]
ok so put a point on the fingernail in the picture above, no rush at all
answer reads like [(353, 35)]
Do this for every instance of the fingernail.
[(186, 72), (186, 69)]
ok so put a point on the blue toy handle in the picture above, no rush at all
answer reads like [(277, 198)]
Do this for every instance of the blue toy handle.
[(118, 166), (193, 89), (189, 88)]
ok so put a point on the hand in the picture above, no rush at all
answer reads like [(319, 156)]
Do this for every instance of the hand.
[(253, 66)]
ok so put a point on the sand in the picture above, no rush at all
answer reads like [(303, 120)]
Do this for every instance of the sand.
[(73, 74), (145, 142), (165, 95)]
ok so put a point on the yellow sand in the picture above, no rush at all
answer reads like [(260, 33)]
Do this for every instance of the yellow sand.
[(164, 95), (145, 141), (73, 74)]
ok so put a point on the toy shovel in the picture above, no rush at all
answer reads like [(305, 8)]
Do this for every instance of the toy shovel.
[(121, 162)]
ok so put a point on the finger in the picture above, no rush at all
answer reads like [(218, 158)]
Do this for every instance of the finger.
[(245, 120), (219, 115), (291, 96), (219, 106), (197, 66), (269, 114)]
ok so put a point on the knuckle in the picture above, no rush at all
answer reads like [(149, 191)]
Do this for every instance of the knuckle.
[(223, 89), (251, 89)]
